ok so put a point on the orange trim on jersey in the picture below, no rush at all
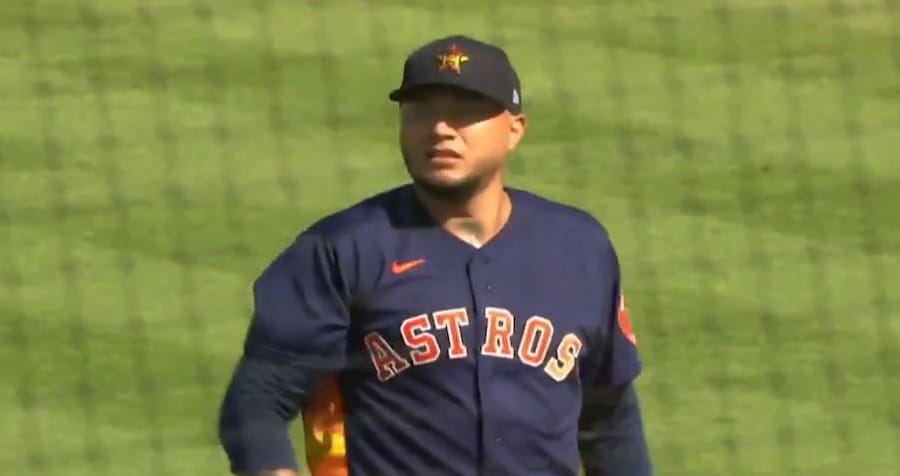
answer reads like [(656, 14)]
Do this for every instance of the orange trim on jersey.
[(323, 423)]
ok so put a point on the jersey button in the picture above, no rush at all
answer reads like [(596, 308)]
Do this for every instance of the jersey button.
[(488, 287)]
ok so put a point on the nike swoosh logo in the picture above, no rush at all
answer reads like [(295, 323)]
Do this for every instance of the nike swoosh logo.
[(398, 267)]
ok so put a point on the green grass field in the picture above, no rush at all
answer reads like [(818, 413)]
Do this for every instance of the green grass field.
[(743, 154)]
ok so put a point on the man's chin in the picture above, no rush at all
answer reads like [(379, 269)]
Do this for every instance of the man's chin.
[(451, 190)]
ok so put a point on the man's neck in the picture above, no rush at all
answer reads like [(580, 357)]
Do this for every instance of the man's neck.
[(476, 220)]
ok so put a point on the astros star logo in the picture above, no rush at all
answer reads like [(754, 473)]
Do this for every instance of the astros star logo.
[(452, 60)]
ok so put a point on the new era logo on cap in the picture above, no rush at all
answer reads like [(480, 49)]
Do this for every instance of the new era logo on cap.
[(462, 62)]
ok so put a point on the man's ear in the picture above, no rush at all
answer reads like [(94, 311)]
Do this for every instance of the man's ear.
[(517, 127)]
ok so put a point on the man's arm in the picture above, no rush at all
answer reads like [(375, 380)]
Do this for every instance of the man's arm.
[(262, 398), (297, 336), (611, 433)]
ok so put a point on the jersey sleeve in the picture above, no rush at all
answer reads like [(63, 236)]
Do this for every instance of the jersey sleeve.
[(296, 337), (613, 359), (300, 308)]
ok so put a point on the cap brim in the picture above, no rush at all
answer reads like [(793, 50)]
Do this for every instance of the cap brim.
[(403, 92), (398, 94)]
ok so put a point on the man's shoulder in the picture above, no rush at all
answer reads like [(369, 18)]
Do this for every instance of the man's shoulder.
[(571, 230), (340, 234), (362, 218), (564, 217)]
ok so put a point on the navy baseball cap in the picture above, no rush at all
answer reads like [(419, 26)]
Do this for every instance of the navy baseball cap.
[(466, 63)]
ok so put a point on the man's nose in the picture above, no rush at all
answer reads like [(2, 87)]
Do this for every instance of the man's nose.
[(442, 128)]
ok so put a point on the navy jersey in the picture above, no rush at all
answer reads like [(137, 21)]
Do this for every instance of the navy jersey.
[(451, 359)]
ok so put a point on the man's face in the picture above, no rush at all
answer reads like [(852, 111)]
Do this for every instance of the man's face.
[(455, 142)]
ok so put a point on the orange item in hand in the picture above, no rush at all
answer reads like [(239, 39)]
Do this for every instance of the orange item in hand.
[(323, 422)]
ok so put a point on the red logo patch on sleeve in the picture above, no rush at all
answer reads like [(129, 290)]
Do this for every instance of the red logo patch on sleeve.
[(625, 322)]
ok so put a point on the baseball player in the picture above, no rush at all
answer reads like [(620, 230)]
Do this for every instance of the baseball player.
[(449, 326)]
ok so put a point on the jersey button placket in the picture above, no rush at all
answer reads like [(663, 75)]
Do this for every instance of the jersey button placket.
[(484, 289), (485, 261)]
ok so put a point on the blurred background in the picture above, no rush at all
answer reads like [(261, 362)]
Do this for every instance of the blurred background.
[(156, 155)]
